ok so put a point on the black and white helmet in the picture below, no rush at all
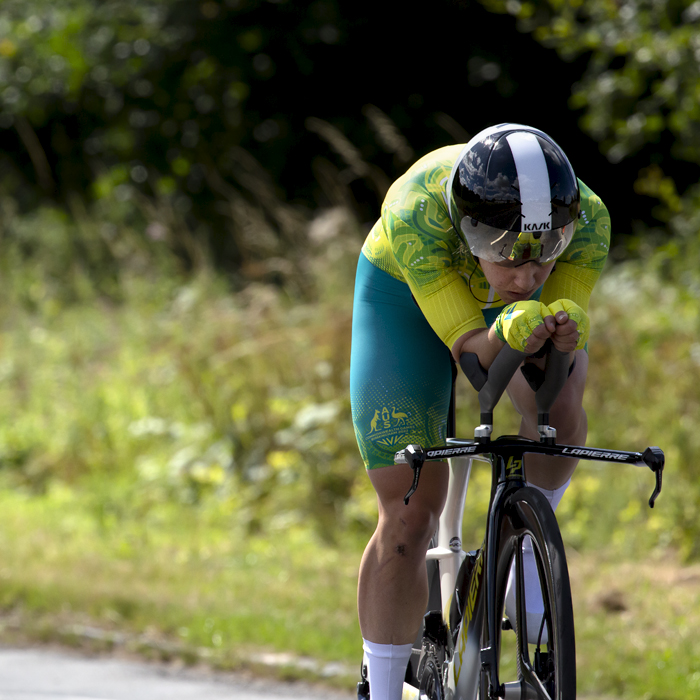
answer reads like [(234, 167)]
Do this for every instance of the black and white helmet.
[(513, 195)]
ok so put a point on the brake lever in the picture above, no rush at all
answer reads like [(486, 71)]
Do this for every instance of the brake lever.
[(657, 489), (654, 458), (415, 458)]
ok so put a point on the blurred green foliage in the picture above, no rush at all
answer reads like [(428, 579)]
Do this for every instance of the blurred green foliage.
[(216, 126), (642, 69), (638, 95), (124, 351), (170, 392), (157, 154), (143, 106), (150, 387)]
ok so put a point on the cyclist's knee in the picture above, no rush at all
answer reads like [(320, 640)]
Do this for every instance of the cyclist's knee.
[(414, 524), (408, 532), (568, 415)]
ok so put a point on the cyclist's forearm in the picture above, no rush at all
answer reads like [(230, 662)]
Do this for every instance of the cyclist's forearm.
[(483, 342)]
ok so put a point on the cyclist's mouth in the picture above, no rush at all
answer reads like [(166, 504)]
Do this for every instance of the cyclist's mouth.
[(520, 296)]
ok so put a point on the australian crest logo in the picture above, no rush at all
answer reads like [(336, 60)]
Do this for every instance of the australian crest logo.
[(384, 425)]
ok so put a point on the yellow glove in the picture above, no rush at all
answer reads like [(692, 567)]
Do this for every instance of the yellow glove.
[(575, 313), (517, 321)]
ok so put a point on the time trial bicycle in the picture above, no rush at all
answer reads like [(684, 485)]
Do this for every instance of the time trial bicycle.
[(459, 654)]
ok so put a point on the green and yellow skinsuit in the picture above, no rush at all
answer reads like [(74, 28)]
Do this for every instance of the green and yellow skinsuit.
[(418, 289)]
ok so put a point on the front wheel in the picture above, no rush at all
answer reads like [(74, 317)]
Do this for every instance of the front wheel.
[(539, 660)]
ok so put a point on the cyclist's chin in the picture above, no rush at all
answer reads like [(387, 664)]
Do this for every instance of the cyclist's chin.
[(510, 297)]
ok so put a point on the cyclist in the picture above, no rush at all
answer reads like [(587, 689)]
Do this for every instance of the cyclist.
[(478, 245)]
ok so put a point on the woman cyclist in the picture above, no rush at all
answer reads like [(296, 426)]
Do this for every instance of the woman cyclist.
[(478, 245)]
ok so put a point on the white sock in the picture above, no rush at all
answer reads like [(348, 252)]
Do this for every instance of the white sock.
[(386, 669), (552, 495)]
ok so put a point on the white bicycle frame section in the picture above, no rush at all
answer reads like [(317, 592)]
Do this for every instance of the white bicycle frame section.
[(464, 668)]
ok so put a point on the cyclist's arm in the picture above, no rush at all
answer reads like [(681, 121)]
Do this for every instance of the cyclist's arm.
[(485, 344), (422, 248), (579, 268), (445, 302), (569, 281)]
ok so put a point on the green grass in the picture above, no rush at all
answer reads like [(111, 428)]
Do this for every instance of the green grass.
[(186, 586), (178, 576), (636, 625)]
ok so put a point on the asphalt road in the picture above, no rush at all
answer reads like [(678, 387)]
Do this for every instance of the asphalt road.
[(41, 674)]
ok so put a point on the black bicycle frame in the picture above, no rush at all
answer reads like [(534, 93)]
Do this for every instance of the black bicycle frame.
[(508, 474)]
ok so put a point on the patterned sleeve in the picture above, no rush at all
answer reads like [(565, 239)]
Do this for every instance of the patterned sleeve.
[(579, 268), (426, 253)]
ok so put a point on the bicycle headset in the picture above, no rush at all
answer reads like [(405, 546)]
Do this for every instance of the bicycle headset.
[(513, 195)]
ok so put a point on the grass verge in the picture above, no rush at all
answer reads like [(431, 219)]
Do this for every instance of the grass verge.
[(190, 589)]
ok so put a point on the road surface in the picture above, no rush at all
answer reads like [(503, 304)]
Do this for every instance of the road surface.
[(43, 674)]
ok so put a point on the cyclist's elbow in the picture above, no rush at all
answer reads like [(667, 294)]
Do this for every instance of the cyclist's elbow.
[(482, 342)]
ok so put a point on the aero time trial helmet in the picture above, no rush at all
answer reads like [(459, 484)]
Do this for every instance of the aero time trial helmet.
[(513, 195)]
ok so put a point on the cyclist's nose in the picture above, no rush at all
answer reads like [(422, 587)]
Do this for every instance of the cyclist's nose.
[(526, 276)]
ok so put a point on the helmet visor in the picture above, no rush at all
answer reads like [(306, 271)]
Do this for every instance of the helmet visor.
[(496, 245)]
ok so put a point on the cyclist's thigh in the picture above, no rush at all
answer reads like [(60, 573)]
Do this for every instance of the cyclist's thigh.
[(569, 401), (400, 371)]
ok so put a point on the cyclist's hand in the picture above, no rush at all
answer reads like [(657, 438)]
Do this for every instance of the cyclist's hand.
[(573, 325), (525, 325)]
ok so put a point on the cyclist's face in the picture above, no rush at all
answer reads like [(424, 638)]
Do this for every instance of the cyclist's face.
[(516, 280)]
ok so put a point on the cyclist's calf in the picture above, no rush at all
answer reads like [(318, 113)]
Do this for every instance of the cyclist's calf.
[(393, 587)]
